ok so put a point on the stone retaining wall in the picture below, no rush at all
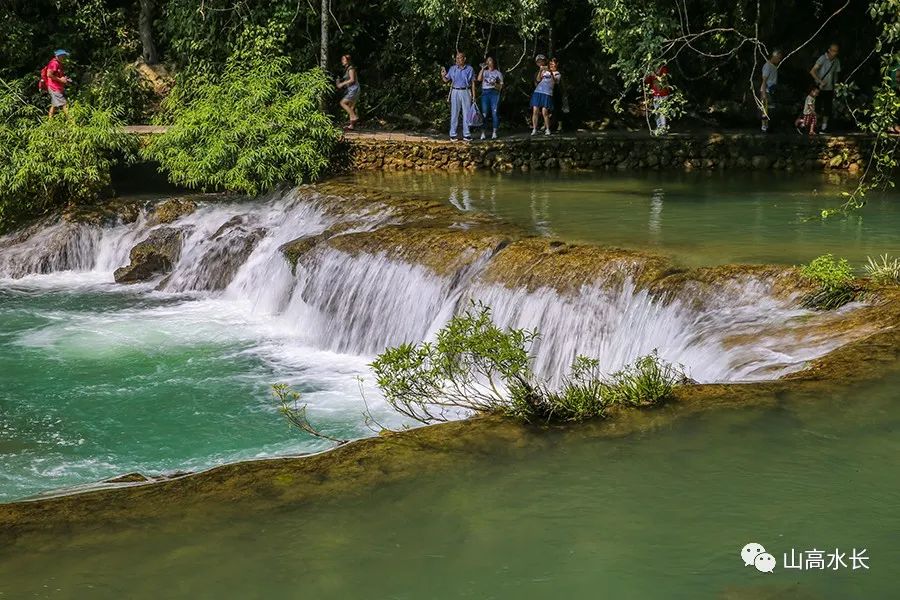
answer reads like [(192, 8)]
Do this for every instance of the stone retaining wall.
[(624, 151)]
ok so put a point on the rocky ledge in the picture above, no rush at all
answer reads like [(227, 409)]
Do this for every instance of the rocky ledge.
[(614, 151)]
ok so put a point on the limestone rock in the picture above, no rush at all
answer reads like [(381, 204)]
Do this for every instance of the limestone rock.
[(134, 477), (171, 210), (155, 255)]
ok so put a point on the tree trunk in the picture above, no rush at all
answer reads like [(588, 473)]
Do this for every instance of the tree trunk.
[(145, 24), (323, 47)]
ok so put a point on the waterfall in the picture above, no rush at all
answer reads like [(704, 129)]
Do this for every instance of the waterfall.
[(58, 246), (361, 303)]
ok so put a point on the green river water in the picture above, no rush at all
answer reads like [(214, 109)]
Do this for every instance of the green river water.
[(700, 218), (656, 515), (99, 380)]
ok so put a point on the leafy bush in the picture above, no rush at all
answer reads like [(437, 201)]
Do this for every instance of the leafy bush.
[(472, 366), (295, 413), (885, 272), (119, 87), (46, 164), (582, 396), (835, 280), (475, 366), (252, 126), (646, 381)]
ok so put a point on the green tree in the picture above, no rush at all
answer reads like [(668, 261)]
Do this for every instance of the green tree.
[(47, 164), (248, 128)]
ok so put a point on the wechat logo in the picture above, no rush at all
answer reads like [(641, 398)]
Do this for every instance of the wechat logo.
[(755, 555)]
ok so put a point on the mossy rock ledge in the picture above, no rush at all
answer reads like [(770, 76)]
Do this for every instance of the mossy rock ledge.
[(153, 256)]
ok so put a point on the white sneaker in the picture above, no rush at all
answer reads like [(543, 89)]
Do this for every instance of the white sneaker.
[(482, 135), (764, 128), (546, 132), (534, 132), (494, 135)]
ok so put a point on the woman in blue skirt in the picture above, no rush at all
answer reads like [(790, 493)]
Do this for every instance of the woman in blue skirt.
[(542, 98)]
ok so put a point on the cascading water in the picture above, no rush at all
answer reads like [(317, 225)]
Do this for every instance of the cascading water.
[(360, 304), (233, 316)]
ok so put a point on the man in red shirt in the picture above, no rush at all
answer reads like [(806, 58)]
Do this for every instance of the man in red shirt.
[(659, 89), (56, 82)]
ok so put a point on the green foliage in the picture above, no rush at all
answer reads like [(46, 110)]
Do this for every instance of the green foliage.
[(583, 394), (46, 164), (295, 413), (648, 380), (885, 272), (527, 16), (118, 87), (248, 128), (471, 366), (835, 280), (882, 116), (475, 366)]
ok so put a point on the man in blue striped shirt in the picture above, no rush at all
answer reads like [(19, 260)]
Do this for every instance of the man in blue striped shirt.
[(462, 93)]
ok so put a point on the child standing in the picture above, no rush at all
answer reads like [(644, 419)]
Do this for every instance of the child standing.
[(658, 82), (807, 121)]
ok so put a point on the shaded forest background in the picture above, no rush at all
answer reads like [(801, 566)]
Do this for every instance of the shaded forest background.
[(399, 46)]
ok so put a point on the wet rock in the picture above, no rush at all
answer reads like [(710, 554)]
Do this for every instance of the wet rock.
[(128, 478), (294, 249), (231, 248), (536, 262), (110, 212), (170, 211), (155, 255), (442, 249)]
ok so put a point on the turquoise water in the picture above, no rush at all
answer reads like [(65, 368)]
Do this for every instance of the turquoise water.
[(663, 514), (101, 380), (700, 218)]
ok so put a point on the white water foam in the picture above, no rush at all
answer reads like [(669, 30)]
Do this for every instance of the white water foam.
[(360, 304)]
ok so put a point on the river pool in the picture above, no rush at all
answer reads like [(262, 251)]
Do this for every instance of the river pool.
[(700, 218), (100, 379), (662, 514)]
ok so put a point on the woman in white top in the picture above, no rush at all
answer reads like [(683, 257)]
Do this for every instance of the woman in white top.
[(491, 83)]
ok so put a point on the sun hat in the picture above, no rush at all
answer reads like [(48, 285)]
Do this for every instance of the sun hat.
[(61, 52)]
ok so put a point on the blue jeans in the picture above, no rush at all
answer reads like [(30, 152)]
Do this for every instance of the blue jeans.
[(459, 103), (490, 101)]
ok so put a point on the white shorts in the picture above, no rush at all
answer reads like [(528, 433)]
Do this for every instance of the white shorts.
[(58, 99)]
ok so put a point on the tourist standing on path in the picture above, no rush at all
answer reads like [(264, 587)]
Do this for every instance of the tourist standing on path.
[(462, 93), (542, 98), (807, 120), (767, 89), (55, 80), (350, 84), (825, 72), (560, 97), (491, 83), (659, 90)]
